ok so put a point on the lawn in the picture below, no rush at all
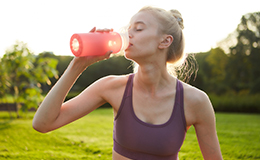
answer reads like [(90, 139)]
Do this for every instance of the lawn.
[(91, 138)]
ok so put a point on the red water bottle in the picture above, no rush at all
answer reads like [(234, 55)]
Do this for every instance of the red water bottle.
[(98, 43)]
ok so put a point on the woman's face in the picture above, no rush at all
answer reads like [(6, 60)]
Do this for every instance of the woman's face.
[(144, 37)]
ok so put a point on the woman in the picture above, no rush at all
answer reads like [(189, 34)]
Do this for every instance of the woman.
[(153, 110)]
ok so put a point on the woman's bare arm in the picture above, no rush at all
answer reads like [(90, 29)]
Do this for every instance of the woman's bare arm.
[(52, 113), (205, 127)]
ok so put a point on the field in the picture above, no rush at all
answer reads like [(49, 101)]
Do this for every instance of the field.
[(91, 138)]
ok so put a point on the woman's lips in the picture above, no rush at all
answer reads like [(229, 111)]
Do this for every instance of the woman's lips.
[(130, 45)]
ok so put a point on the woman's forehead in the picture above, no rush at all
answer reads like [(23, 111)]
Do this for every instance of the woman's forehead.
[(143, 17)]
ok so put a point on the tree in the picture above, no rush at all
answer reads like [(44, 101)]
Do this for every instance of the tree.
[(203, 72), (217, 62), (243, 66), (4, 83), (23, 72), (212, 71)]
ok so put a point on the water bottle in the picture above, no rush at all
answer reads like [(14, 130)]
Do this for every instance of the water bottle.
[(99, 43)]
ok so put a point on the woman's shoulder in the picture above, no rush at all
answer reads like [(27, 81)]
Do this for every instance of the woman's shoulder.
[(197, 104), (193, 93), (195, 98), (114, 80), (112, 89)]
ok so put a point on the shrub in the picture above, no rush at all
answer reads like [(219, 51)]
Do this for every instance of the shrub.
[(236, 103)]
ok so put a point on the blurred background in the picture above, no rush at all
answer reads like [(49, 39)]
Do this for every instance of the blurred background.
[(223, 36)]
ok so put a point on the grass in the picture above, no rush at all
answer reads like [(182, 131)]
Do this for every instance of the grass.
[(239, 137), (91, 138)]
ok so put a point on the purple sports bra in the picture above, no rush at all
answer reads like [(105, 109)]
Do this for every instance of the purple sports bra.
[(138, 140)]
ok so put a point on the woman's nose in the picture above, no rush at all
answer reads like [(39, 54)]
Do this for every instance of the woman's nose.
[(130, 35)]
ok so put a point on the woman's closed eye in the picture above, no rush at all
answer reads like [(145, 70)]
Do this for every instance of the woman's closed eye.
[(138, 29)]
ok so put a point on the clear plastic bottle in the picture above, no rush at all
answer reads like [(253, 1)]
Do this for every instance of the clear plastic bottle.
[(99, 43)]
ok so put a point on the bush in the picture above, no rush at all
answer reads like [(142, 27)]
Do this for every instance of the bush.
[(236, 103)]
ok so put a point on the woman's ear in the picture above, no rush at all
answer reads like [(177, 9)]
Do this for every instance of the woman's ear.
[(166, 41)]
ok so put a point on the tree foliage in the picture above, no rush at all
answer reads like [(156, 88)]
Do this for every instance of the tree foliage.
[(22, 74), (212, 71), (238, 70)]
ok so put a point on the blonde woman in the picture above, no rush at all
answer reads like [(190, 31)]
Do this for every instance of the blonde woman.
[(153, 109)]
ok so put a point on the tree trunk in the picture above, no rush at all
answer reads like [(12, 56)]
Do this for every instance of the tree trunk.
[(17, 104)]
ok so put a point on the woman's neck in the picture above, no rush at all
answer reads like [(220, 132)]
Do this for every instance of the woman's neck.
[(151, 78)]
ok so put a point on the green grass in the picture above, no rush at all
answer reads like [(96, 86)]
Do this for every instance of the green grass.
[(239, 137), (91, 138)]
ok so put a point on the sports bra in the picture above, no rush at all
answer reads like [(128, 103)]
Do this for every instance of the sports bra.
[(139, 140)]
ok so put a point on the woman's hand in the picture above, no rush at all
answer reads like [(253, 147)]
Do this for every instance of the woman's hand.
[(81, 63)]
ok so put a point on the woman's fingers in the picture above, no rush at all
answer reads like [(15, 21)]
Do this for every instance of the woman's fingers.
[(104, 30), (93, 29)]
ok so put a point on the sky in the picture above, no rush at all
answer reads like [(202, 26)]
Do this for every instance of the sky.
[(48, 25)]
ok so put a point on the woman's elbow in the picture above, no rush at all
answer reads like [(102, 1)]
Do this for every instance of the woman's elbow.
[(39, 127)]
